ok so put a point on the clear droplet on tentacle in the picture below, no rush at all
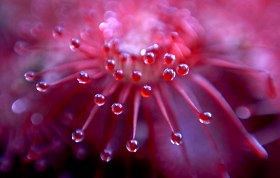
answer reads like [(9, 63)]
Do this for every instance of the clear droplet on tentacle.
[(110, 65), (146, 91), (83, 77), (99, 99), (182, 69), (176, 138), (169, 59), (118, 74), (74, 44), (132, 146), (117, 108), (29, 76), (205, 118), (106, 155), (149, 58), (57, 32), (136, 76), (42, 86), (168, 74), (78, 135)]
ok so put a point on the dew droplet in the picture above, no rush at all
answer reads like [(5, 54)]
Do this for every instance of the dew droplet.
[(182, 69), (36, 118), (117, 108), (169, 58), (243, 112), (83, 77), (21, 47), (29, 76), (146, 91), (115, 45), (174, 36), (99, 99), (118, 74), (176, 138), (74, 44), (205, 118), (106, 48), (153, 48), (143, 52), (42, 86), (136, 76), (106, 155), (78, 135), (110, 65), (19, 106), (149, 58), (132, 146), (123, 57), (168, 74), (57, 32)]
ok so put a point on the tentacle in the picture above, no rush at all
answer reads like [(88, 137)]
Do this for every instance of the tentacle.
[(255, 146), (226, 64)]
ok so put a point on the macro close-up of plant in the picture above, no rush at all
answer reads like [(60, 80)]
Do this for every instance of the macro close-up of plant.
[(168, 89)]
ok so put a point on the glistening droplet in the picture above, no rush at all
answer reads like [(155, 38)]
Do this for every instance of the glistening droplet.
[(168, 74), (136, 76), (42, 86), (118, 74), (243, 112), (153, 48), (78, 135), (29, 76), (74, 44), (117, 108), (205, 118), (110, 65), (169, 58), (99, 99), (106, 155), (19, 106), (132, 146), (146, 91), (106, 48), (83, 77), (174, 36), (149, 58), (57, 32), (176, 138), (182, 69)]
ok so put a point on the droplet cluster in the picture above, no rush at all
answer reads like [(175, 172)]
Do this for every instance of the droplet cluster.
[(140, 74)]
